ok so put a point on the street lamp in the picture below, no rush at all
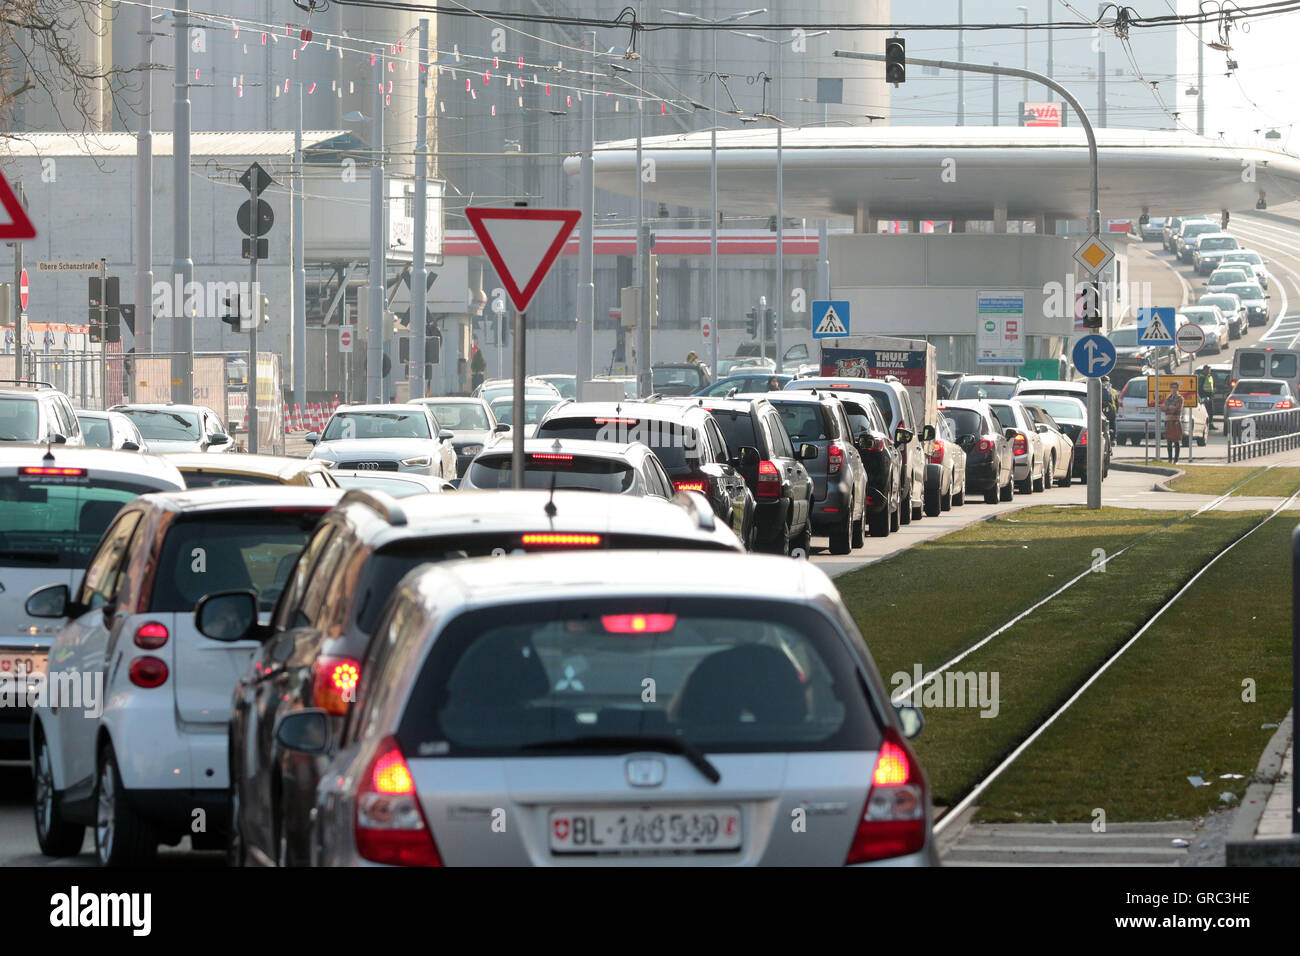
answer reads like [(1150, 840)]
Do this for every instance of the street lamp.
[(780, 184), (1024, 89), (713, 174)]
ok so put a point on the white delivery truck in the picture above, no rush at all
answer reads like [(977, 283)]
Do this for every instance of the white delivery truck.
[(911, 361)]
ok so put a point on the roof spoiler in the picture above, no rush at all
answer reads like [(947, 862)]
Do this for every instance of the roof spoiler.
[(703, 515), (384, 505), (25, 381)]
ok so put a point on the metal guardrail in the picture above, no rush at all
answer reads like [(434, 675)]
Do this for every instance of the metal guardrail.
[(1262, 433)]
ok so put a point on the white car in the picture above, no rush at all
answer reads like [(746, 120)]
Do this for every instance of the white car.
[(1233, 312), (1029, 454), (139, 752), (1249, 257), (1212, 322), (535, 406), (1225, 276), (1254, 301), (1210, 249), (56, 504), (496, 387), (110, 430), (168, 427), (386, 438)]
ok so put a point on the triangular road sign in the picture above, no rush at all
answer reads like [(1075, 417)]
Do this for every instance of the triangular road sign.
[(19, 226), (522, 245), (1156, 332), (831, 324)]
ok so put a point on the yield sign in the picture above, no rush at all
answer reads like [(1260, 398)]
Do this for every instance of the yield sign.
[(522, 244), (19, 226)]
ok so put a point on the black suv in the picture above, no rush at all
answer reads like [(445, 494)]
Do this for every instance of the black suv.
[(688, 442), (778, 479), (312, 650)]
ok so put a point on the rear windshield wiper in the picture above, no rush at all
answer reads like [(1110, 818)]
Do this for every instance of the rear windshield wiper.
[(626, 742)]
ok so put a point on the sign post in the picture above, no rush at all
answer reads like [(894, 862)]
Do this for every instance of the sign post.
[(254, 219), (522, 244)]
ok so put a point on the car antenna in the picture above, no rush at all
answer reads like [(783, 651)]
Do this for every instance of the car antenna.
[(49, 452), (550, 509)]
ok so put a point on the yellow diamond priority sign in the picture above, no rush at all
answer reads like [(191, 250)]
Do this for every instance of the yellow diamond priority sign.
[(1094, 255)]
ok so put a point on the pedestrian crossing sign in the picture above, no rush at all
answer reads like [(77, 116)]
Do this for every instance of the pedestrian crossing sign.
[(830, 319), (1155, 326)]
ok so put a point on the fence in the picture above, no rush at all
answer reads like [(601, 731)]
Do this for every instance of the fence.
[(1262, 433)]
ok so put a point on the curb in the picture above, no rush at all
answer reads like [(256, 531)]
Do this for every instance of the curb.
[(1166, 473), (1242, 849)]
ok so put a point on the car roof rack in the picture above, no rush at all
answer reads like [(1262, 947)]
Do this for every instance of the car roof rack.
[(384, 505), (703, 516), (35, 383)]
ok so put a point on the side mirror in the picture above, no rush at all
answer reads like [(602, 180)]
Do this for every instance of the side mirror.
[(130, 446), (928, 433), (911, 719), (1041, 428), (226, 615), (58, 439), (808, 452), (304, 731), (749, 456), (445, 434), (500, 427), (311, 438), (1011, 433), (51, 601), (965, 442), (219, 440), (902, 436)]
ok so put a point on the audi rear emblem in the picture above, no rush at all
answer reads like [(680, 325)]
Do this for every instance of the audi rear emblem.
[(368, 465)]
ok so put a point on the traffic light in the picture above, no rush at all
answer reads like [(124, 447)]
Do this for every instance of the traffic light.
[(233, 314), (98, 333), (255, 216), (1088, 305), (751, 323), (895, 60), (261, 316)]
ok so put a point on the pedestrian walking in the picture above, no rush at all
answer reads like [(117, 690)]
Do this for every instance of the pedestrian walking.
[(1173, 410)]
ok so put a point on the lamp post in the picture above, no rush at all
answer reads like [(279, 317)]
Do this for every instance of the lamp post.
[(1024, 89), (780, 186), (713, 176)]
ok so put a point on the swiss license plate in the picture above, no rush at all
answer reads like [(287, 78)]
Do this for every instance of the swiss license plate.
[(16, 665), (678, 829)]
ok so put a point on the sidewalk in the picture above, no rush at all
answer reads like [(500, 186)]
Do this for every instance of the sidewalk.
[(1261, 831)]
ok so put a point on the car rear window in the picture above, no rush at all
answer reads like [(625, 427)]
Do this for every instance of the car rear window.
[(229, 551), (1259, 387), (1283, 366), (1136, 388), (158, 424), (215, 479), (806, 421), (728, 675), (966, 421), (95, 432), (552, 469), (737, 428), (970, 388), (1058, 408), (56, 521), (18, 419), (1006, 415), (672, 442)]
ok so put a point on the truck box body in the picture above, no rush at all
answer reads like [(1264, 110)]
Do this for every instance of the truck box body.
[(911, 361)]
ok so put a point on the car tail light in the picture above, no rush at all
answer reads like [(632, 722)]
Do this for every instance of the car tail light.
[(151, 635), (50, 470), (1235, 403), (875, 444), (834, 459), (389, 825), (550, 456), (638, 623), (1285, 403), (148, 672), (692, 484), (936, 456), (1020, 445), (769, 480), (1083, 437), (334, 683), (554, 539), (984, 447), (616, 421), (893, 820)]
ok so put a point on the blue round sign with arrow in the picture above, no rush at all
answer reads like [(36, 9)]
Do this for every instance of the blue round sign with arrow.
[(1094, 356)]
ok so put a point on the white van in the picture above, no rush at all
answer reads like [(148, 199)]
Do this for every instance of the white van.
[(1260, 361)]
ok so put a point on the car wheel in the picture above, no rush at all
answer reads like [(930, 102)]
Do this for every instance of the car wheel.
[(235, 855), (802, 544), (1068, 478), (122, 836), (905, 506), (751, 539), (894, 520), (1200, 442), (1025, 487), (56, 836), (991, 495), (841, 536), (1007, 490), (859, 538), (945, 501), (1043, 480), (959, 499), (933, 503), (878, 526)]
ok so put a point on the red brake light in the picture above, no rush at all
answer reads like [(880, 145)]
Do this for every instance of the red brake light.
[(334, 683), (769, 480), (1235, 403), (148, 672), (936, 456), (1285, 403), (1020, 446), (616, 421), (834, 459), (692, 484), (984, 447), (151, 635), (1083, 438), (54, 471), (893, 820), (550, 539), (389, 826), (638, 623), (550, 456)]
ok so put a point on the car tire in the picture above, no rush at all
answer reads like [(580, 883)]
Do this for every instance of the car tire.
[(933, 503), (56, 836), (894, 520), (959, 499), (905, 506), (1068, 478), (122, 836), (1200, 442), (802, 547), (842, 535), (1025, 487), (236, 855), (991, 495), (1007, 491), (1044, 480), (859, 538), (945, 501)]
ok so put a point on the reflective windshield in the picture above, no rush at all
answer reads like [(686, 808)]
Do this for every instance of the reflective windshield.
[(56, 521), (566, 471), (1125, 338), (95, 432), (1217, 242), (1063, 409), (973, 388), (347, 425), (1246, 290), (160, 424), (467, 416), (534, 409), (1260, 386), (18, 419)]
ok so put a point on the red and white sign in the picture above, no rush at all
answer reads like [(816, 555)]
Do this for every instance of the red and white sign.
[(345, 338), (522, 244), (1044, 114), (19, 226), (22, 289), (706, 328), (1190, 337)]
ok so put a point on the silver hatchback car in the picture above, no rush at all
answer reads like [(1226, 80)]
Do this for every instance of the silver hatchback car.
[(585, 709)]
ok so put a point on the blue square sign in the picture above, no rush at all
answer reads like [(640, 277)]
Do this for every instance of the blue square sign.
[(1156, 326), (830, 318)]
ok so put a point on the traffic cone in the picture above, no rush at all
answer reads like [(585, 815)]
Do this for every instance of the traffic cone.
[(297, 417)]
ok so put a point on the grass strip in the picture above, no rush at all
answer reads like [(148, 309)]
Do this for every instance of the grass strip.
[(1173, 706), (1272, 483), (1211, 479)]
